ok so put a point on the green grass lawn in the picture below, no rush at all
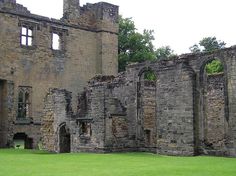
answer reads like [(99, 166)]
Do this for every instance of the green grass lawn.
[(38, 163)]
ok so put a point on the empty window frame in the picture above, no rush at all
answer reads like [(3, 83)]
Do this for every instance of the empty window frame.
[(24, 102), (56, 41), (85, 129), (26, 36)]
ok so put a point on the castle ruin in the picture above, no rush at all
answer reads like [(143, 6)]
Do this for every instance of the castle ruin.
[(70, 97)]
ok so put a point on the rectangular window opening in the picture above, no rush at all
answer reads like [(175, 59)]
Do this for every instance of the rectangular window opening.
[(26, 36), (85, 129), (56, 41), (24, 102)]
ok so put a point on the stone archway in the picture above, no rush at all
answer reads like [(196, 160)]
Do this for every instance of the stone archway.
[(64, 140), (214, 109)]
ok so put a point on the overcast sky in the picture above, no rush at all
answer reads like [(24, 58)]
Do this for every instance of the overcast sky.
[(177, 23)]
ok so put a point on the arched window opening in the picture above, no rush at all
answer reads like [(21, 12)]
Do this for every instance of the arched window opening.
[(214, 105), (146, 108)]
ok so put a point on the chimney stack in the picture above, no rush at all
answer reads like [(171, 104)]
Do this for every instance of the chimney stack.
[(71, 9)]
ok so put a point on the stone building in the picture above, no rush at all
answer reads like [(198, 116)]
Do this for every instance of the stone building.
[(49, 90), (37, 53)]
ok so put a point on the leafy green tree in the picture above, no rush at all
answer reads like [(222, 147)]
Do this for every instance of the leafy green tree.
[(133, 46), (211, 44), (195, 49), (164, 52), (208, 44)]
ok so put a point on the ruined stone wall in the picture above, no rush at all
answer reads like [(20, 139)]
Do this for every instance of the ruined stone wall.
[(110, 113), (57, 112), (121, 114), (188, 112), (198, 63), (175, 111), (87, 49), (92, 138), (165, 110)]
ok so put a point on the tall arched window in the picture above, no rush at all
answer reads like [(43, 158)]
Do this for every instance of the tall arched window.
[(24, 102), (146, 108), (214, 106)]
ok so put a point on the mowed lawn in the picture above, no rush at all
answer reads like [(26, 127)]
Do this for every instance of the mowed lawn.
[(38, 163)]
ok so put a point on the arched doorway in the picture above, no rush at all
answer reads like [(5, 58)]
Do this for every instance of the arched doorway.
[(64, 139), (22, 141), (146, 109), (214, 123)]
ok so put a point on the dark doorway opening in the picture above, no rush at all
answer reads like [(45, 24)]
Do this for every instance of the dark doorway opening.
[(64, 140)]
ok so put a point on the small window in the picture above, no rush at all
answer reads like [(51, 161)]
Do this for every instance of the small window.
[(56, 41), (24, 102), (26, 36), (85, 129)]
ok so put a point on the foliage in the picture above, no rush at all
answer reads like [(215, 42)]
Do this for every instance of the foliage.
[(195, 49), (150, 75), (38, 163), (214, 66), (164, 52), (137, 47), (210, 44), (207, 44), (133, 46)]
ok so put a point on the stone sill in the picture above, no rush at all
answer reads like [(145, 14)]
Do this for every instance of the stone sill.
[(33, 47), (26, 122), (84, 137), (23, 121)]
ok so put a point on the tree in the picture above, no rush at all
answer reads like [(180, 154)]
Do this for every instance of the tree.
[(195, 49), (164, 52), (214, 66), (207, 44), (133, 46), (210, 44)]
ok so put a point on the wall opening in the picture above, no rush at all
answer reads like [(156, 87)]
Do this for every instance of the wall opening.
[(64, 140), (22, 141), (146, 108), (3, 113), (26, 36), (56, 41), (24, 102), (85, 129), (214, 107)]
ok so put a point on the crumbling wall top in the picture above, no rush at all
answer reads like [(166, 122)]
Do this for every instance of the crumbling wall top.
[(94, 17), (12, 6)]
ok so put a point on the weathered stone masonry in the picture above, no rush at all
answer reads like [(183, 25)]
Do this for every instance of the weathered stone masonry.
[(29, 64), (184, 112)]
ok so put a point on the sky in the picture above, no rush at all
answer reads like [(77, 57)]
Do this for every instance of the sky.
[(176, 23)]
